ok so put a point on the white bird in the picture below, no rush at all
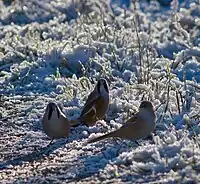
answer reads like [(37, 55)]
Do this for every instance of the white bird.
[(55, 123)]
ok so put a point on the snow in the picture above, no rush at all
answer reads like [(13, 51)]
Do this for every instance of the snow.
[(55, 51)]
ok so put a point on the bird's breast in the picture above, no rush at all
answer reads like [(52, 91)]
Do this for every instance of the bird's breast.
[(147, 117), (56, 127)]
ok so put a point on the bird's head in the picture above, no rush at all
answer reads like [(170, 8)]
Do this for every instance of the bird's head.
[(146, 105), (52, 109), (102, 86)]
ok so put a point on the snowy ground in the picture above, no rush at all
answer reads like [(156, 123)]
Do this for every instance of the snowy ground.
[(56, 50)]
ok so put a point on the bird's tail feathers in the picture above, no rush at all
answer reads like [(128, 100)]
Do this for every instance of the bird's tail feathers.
[(100, 138)]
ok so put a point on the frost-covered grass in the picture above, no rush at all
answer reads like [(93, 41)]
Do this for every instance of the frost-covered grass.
[(56, 50)]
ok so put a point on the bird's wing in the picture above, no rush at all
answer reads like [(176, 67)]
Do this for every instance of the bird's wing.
[(89, 107), (135, 119), (92, 96), (132, 119)]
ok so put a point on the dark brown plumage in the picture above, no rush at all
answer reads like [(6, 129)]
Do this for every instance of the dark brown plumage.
[(96, 105)]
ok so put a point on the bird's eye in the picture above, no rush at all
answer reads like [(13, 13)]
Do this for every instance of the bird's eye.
[(143, 105)]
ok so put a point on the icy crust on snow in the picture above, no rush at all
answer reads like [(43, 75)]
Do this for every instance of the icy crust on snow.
[(57, 50)]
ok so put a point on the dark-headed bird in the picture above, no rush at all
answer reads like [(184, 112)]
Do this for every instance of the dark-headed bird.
[(95, 106)]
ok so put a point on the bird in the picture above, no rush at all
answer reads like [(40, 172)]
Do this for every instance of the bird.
[(139, 126), (95, 106), (55, 123)]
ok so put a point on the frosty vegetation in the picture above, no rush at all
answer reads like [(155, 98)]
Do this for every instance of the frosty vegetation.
[(56, 50)]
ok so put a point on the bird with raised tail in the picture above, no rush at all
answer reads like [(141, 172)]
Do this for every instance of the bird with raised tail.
[(95, 106), (137, 127), (55, 123)]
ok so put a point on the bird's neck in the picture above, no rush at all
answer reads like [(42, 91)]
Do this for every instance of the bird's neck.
[(103, 93), (147, 115)]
